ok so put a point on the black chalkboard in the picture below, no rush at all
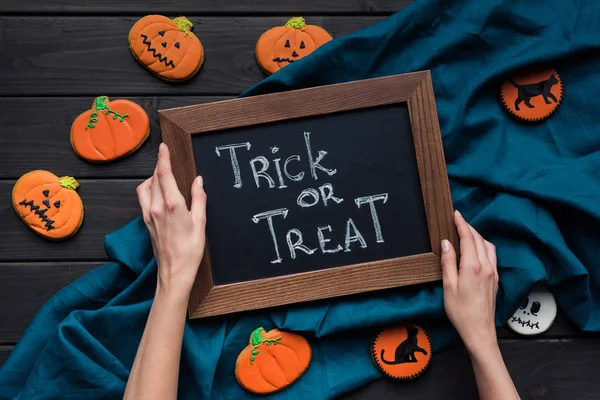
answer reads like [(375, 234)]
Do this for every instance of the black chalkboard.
[(372, 153)]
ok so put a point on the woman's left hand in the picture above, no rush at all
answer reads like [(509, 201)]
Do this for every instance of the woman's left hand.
[(178, 235)]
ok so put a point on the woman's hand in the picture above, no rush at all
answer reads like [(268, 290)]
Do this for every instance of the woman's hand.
[(470, 300), (178, 235), (470, 289)]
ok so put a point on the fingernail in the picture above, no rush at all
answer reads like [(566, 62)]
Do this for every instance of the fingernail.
[(161, 147), (200, 181), (458, 213), (445, 246)]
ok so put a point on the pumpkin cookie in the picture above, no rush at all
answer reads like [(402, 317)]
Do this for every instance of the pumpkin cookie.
[(283, 45), (48, 205), (402, 352), (110, 130), (166, 47), (532, 95), (272, 361)]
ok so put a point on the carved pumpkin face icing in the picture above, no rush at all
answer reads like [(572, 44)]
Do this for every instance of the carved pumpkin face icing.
[(284, 45), (48, 205), (109, 130), (166, 47)]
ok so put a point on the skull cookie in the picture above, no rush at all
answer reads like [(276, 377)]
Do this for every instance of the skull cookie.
[(536, 313)]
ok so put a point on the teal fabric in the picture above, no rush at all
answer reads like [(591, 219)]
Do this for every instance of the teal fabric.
[(531, 189)]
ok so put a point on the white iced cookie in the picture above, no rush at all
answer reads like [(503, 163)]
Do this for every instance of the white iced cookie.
[(536, 313)]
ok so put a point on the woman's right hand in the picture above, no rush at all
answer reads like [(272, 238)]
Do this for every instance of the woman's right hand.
[(470, 288)]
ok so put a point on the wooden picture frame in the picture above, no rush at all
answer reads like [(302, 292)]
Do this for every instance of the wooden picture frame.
[(415, 89)]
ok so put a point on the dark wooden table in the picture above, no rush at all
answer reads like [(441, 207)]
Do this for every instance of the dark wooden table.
[(57, 56)]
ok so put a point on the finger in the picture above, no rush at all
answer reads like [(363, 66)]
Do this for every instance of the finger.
[(170, 192), (145, 197), (491, 253), (468, 249), (481, 250), (157, 206), (449, 267), (198, 201)]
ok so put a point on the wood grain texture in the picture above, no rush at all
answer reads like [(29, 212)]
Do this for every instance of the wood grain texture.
[(35, 134), (432, 166), (179, 124), (25, 287), (205, 7), (90, 55), (274, 107), (315, 285), (108, 204)]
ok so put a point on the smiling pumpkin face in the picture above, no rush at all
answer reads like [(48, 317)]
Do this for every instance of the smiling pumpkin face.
[(166, 47), (284, 45), (48, 204)]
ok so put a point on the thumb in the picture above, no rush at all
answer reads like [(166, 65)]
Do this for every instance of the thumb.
[(198, 208), (449, 266)]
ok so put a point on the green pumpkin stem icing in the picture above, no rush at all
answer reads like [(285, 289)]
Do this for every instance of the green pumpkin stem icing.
[(100, 105), (68, 182), (296, 23), (184, 25), (257, 341)]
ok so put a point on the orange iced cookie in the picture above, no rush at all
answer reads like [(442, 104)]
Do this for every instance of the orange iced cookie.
[(283, 45), (167, 47), (109, 130), (272, 361), (48, 205), (402, 352), (532, 95)]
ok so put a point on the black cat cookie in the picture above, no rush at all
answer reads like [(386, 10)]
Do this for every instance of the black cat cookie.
[(532, 95), (402, 352)]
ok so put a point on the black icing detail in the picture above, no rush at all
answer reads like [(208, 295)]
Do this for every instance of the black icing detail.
[(57, 204), (535, 308), (294, 54), (176, 44), (161, 33), (519, 321), (46, 203), (164, 44), (279, 59), (168, 63), (46, 193), (302, 44), (40, 213), (287, 43)]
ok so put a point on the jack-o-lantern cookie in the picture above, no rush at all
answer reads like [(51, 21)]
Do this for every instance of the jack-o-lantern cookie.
[(536, 314), (167, 47), (272, 361), (283, 45), (533, 94), (109, 130), (402, 352), (48, 205)]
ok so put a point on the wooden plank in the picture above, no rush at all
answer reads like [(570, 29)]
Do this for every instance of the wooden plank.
[(90, 55), (549, 369), (109, 204), (543, 368), (206, 7), (25, 287), (4, 353), (35, 133)]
